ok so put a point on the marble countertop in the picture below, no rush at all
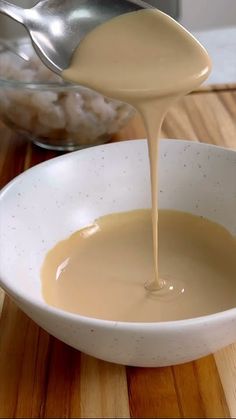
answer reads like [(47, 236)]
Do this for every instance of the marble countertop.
[(221, 45)]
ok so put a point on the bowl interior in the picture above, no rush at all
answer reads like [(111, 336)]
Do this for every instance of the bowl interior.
[(51, 201)]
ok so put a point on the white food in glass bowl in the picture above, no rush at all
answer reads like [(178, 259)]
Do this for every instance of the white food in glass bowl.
[(42, 105)]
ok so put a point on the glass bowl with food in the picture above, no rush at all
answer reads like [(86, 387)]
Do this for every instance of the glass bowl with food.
[(51, 113)]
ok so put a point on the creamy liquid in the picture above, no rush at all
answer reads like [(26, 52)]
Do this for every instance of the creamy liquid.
[(100, 271), (146, 59)]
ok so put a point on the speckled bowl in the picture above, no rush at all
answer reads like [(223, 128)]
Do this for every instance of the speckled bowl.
[(52, 200)]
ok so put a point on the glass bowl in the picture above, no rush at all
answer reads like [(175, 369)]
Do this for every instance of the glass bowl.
[(51, 113)]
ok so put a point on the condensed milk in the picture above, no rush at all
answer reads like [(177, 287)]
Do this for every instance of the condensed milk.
[(148, 60), (100, 271)]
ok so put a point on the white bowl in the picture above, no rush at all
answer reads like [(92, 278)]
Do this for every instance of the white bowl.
[(50, 201)]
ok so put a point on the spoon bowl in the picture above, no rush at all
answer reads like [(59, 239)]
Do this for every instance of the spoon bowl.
[(57, 26)]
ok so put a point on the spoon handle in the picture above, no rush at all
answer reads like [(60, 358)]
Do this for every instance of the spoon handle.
[(15, 12)]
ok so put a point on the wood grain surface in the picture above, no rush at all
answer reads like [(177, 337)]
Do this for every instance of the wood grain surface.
[(41, 377)]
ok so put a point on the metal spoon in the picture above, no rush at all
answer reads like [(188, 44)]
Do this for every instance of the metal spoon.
[(57, 26)]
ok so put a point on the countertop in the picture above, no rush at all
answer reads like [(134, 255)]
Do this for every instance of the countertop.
[(221, 46), (42, 377)]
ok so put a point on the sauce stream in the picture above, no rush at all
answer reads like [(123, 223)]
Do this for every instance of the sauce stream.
[(148, 60)]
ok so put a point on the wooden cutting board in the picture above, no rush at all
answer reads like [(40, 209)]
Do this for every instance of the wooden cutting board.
[(42, 377)]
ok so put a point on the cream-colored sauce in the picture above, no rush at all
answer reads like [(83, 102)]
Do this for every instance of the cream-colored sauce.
[(100, 271), (146, 59)]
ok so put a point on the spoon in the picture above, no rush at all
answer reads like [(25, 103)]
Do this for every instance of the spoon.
[(57, 26)]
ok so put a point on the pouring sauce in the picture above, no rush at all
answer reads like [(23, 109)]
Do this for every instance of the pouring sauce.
[(148, 60)]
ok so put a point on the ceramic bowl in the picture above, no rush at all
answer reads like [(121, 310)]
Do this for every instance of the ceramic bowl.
[(49, 202)]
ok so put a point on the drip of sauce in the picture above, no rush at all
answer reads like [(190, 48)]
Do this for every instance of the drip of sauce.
[(99, 271), (148, 60)]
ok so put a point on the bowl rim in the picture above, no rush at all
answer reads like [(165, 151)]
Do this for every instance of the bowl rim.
[(19, 296)]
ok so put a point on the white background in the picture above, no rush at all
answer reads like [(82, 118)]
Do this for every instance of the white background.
[(204, 14)]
